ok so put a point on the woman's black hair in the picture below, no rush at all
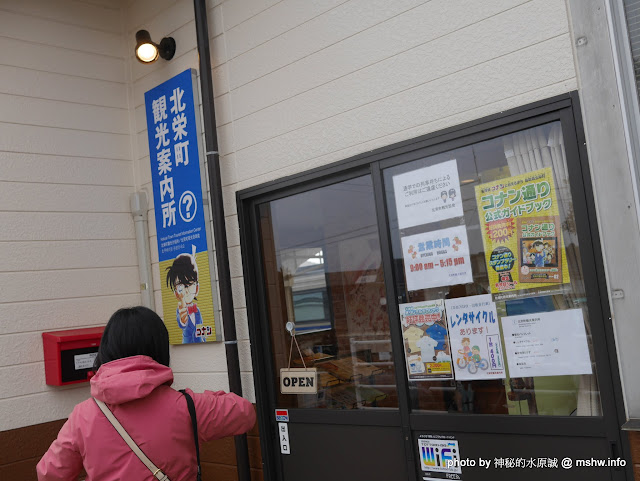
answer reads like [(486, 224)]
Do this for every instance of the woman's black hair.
[(134, 331)]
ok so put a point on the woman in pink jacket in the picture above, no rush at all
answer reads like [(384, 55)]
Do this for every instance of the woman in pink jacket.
[(134, 379)]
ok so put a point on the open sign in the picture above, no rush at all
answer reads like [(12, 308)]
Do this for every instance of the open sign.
[(299, 380)]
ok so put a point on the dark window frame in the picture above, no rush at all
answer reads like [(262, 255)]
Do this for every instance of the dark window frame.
[(565, 108)]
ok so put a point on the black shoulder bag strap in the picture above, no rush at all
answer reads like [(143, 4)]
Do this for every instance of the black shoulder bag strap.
[(194, 423)]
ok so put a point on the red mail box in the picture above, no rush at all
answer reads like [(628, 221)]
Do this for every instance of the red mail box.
[(69, 355)]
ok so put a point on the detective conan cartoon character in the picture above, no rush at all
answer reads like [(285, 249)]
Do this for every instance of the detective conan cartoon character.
[(452, 194), (539, 255), (443, 196), (182, 278)]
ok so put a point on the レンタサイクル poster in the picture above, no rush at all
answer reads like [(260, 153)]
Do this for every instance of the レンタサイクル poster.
[(426, 344), (546, 344), (187, 298), (437, 258), (429, 194), (474, 332), (522, 234)]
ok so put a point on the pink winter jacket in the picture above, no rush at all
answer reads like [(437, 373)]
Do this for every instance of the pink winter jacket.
[(137, 390)]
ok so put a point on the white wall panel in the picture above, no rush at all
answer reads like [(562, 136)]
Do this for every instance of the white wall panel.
[(60, 86), (203, 381), (140, 12), (248, 387), (229, 200), (31, 197), (273, 22), (20, 26), (235, 261), (213, 3), (237, 288), (44, 168), (153, 241), (67, 283), (71, 254), (59, 60), (503, 77), (244, 353), (163, 18), (203, 358), (226, 139), (220, 79), (320, 33), (214, 18), (21, 380), (66, 115), (470, 46), (419, 26), (233, 231), (56, 141), (38, 226), (235, 12), (242, 323), (228, 169), (43, 407), (57, 314), (459, 118), (21, 348), (65, 179), (68, 12)]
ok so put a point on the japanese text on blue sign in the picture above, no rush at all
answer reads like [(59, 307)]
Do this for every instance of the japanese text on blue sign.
[(175, 166)]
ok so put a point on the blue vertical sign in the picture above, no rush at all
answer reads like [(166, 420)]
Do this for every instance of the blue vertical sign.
[(179, 213)]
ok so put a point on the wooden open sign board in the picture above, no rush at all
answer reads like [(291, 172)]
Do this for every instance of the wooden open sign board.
[(299, 380)]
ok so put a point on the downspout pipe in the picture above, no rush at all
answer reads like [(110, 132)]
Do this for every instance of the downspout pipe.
[(139, 206), (219, 228)]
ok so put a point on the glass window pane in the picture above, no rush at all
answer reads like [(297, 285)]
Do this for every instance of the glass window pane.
[(489, 279), (323, 268)]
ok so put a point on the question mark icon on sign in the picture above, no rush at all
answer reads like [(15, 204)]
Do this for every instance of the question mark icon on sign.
[(187, 200)]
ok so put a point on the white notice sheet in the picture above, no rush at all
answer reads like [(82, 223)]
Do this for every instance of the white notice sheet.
[(546, 344), (429, 194)]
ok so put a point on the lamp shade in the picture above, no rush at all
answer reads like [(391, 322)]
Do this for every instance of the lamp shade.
[(146, 50)]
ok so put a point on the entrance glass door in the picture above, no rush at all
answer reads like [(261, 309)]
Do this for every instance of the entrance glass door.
[(323, 272)]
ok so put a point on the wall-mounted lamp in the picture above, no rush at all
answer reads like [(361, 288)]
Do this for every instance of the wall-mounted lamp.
[(147, 51)]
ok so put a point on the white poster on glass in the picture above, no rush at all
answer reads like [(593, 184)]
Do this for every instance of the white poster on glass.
[(546, 344), (438, 258), (428, 195), (475, 338)]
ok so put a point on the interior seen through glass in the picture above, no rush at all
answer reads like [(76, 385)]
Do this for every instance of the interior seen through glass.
[(492, 305), (323, 269), (507, 286)]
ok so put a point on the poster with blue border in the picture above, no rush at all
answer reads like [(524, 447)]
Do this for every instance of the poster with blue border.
[(187, 297)]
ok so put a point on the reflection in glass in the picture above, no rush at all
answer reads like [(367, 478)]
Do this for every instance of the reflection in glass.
[(305, 278), (323, 271)]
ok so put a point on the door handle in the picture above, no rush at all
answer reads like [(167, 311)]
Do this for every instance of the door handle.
[(614, 453)]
